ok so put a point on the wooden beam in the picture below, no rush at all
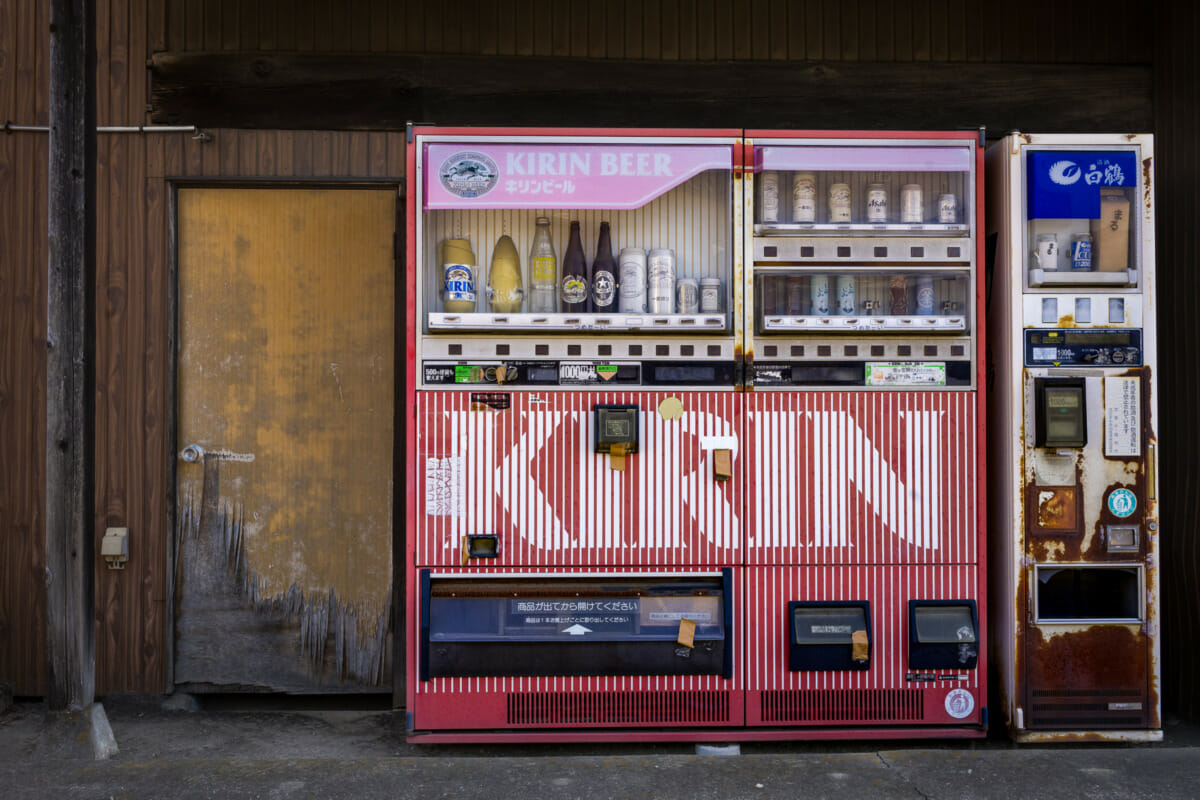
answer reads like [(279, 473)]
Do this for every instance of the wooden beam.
[(332, 91), (70, 346)]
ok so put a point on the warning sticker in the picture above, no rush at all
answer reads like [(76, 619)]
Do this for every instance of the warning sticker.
[(1122, 417)]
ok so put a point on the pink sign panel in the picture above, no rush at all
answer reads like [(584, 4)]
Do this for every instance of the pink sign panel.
[(535, 175), (864, 158)]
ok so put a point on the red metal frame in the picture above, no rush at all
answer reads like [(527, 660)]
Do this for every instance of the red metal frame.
[(972, 727)]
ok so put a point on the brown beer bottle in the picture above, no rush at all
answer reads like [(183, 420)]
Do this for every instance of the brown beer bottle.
[(575, 279), (604, 275)]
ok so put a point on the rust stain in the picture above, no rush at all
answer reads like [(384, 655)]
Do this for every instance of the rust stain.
[(1147, 183), (1067, 321), (1081, 671)]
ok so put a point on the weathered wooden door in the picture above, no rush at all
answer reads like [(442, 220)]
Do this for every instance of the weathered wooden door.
[(286, 397)]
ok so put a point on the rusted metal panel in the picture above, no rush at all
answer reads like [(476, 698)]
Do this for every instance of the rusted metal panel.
[(285, 424)]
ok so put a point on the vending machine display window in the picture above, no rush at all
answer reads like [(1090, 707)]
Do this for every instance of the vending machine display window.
[(943, 634), (831, 635), (1082, 212), (1088, 593), (862, 299)]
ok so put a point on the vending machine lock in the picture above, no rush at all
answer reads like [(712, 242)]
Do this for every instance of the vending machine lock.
[(616, 429), (1060, 412)]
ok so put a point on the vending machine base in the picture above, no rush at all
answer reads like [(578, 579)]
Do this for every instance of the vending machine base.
[(691, 735)]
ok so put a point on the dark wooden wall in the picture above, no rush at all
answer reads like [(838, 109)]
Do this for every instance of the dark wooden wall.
[(132, 393)]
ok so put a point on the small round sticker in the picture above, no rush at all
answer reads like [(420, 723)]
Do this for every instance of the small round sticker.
[(959, 703), (1122, 503)]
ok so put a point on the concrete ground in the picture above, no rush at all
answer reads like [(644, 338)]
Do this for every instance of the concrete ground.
[(351, 747)]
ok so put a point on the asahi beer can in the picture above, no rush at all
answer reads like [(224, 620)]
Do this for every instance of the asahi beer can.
[(804, 197), (710, 295), (898, 295), (632, 280), (846, 304), (877, 205), (1081, 252), (912, 204), (458, 288), (948, 209), (839, 202), (925, 295), (768, 181), (660, 269), (818, 290), (687, 294)]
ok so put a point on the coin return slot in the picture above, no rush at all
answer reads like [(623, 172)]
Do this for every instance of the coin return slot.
[(903, 350), (916, 252), (843, 252), (876, 349), (686, 350), (541, 349), (714, 350), (824, 350), (771, 351), (881, 252), (604, 350), (808, 251), (501, 349), (1121, 538), (953, 252), (957, 350), (770, 251), (797, 350), (943, 634), (931, 350), (635, 349), (662, 349), (455, 349), (829, 635), (850, 350)]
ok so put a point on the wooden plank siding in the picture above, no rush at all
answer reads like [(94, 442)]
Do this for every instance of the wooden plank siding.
[(134, 395)]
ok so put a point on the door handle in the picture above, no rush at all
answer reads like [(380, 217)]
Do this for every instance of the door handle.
[(192, 453)]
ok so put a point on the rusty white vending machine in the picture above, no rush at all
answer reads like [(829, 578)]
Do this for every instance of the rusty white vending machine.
[(1074, 437), (864, 447), (575, 483)]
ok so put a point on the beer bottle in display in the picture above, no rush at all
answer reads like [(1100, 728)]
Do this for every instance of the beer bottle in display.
[(504, 277), (573, 294), (604, 274), (543, 270)]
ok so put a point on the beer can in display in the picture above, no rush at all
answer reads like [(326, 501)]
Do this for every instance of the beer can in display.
[(1081, 252), (660, 269), (794, 305), (947, 208), (818, 288), (804, 197), (687, 294), (710, 295), (458, 288), (632, 280), (877, 210), (846, 302), (898, 295), (769, 195), (912, 203), (925, 295), (839, 202)]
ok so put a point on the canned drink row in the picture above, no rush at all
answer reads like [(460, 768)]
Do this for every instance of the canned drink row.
[(840, 201), (649, 284), (823, 295)]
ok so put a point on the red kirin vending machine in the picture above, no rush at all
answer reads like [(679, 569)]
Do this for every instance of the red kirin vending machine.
[(576, 475), (864, 447)]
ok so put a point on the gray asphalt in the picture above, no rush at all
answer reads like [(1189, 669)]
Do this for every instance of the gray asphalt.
[(262, 748)]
